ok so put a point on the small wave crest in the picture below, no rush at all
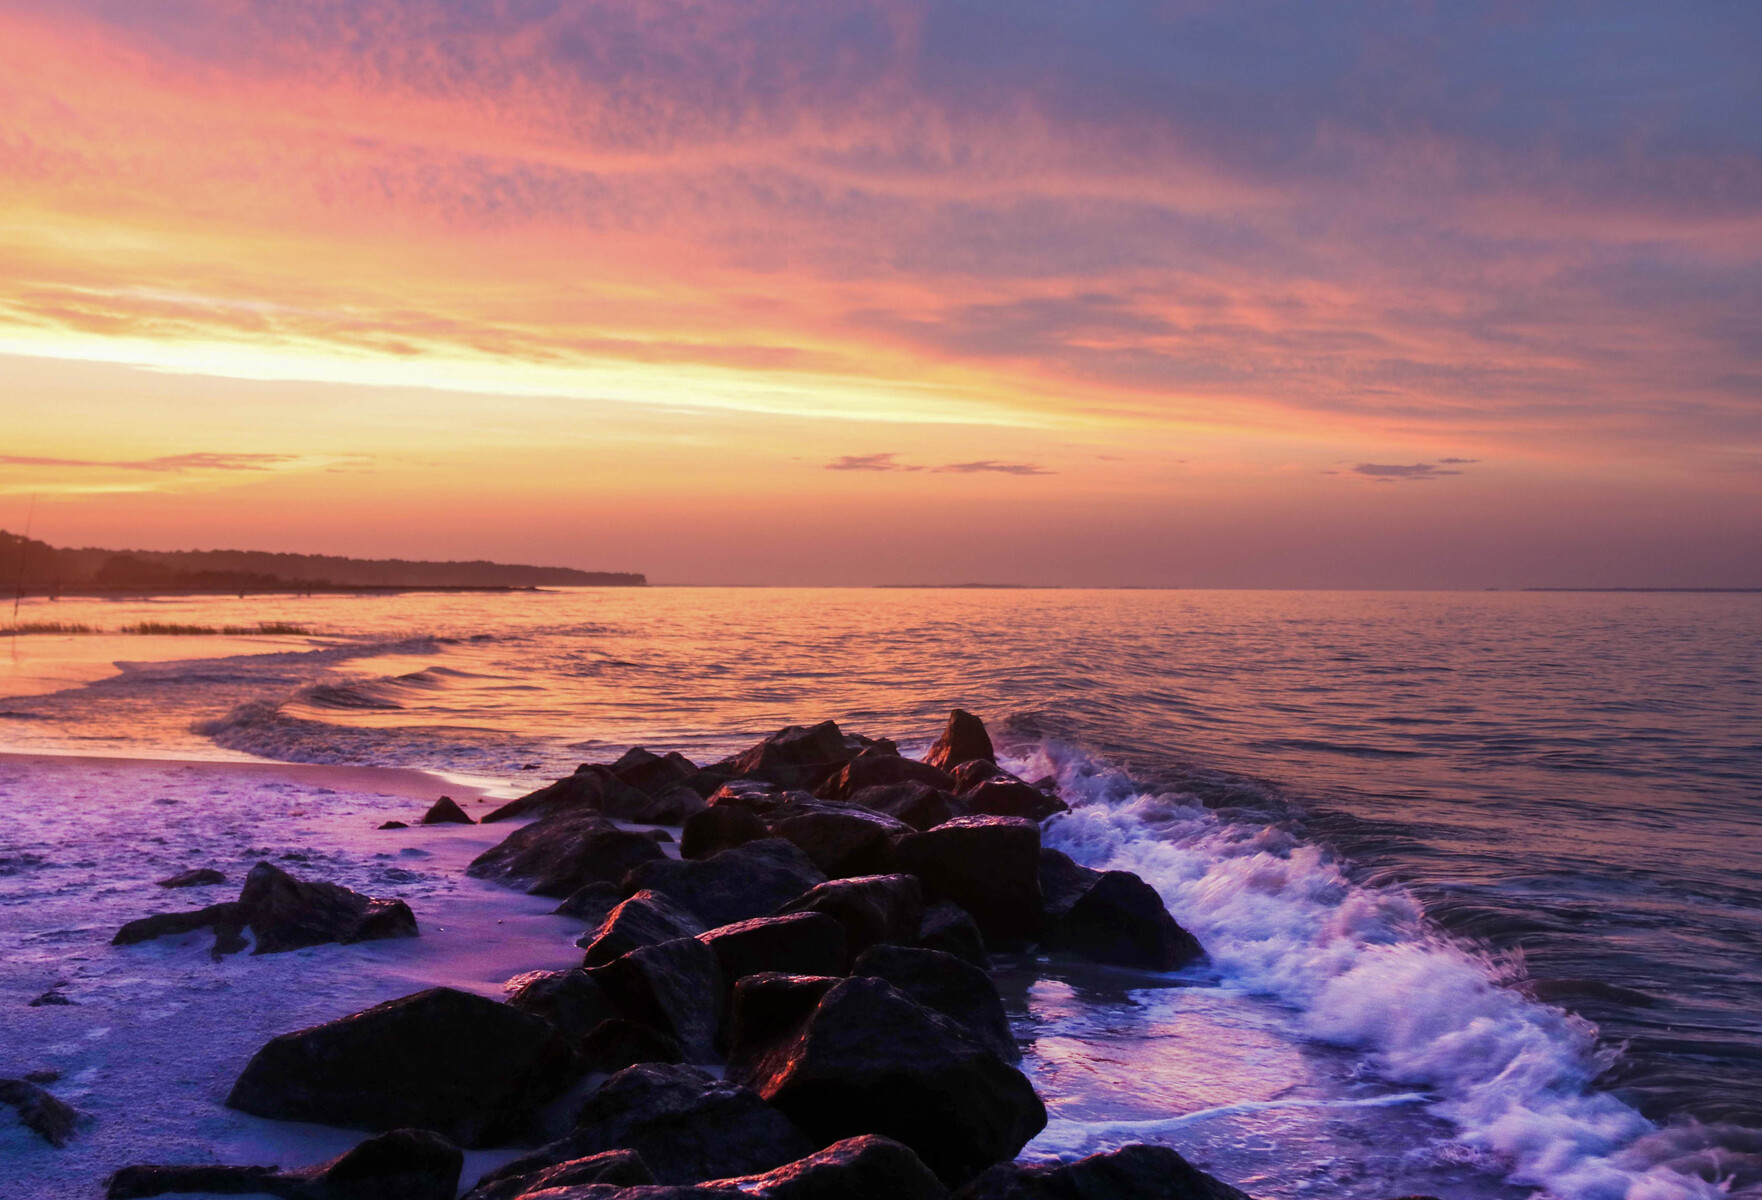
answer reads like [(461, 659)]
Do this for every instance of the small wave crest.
[(1365, 969)]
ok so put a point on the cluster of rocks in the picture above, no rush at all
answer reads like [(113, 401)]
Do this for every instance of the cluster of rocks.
[(822, 943)]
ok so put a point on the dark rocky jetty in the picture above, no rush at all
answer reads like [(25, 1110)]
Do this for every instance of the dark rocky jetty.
[(824, 937)]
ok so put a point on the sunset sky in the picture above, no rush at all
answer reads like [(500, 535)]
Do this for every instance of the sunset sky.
[(1236, 294)]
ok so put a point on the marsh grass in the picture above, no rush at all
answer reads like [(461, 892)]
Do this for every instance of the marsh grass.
[(171, 629), (28, 627)]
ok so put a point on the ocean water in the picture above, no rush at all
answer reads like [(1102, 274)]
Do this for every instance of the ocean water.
[(1480, 874)]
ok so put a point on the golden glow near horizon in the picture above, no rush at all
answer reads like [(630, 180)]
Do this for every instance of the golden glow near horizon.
[(1130, 305)]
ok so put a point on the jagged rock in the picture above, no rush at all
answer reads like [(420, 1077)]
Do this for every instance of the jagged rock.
[(990, 866), (917, 804), (446, 811), (963, 740), (560, 854), (858, 1168), (796, 756), (868, 1059), (841, 839), (227, 920), (406, 1164), (195, 877), (569, 1000), (686, 1125), (1011, 798), (880, 770), (618, 1168), (973, 772), (769, 1005), (652, 773), (753, 880), (40, 1111), (395, 825), (943, 983), (1135, 1172), (673, 987), (1110, 917), (285, 913), (645, 919), (718, 828), (871, 908), (754, 794), (804, 943), (591, 902), (672, 807), (951, 929), (590, 789), (617, 1043), (382, 1069)]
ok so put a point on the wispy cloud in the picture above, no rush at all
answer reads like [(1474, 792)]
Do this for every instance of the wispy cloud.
[(1408, 472), (175, 463), (993, 467), (869, 462), (890, 462)]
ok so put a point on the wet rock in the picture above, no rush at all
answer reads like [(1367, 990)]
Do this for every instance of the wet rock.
[(720, 828), (671, 807), (285, 913), (50, 998), (42, 1075), (616, 1043), (1012, 798), (379, 1069), (558, 855), (990, 866), (881, 770), (868, 1059), (1135, 1172), (753, 794), (858, 1168), (963, 740), (943, 983), (917, 804), (871, 908), (972, 773), (840, 839), (659, 835), (195, 877), (674, 987), (46, 1115), (590, 789), (569, 1000), (753, 880), (406, 1164), (591, 902), (796, 756), (951, 929), (619, 1168), (804, 943), (769, 1005), (652, 773), (446, 811), (395, 825), (1111, 917), (645, 919), (686, 1125), (228, 916)]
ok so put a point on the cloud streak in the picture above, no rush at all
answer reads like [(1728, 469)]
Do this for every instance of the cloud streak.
[(173, 463)]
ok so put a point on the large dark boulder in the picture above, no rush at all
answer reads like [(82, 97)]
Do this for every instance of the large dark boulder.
[(569, 1000), (796, 756), (871, 908), (283, 913), (590, 789), (674, 806), (559, 855), (645, 919), (616, 1043), (674, 987), (951, 929), (858, 1168), (618, 1168), (405, 1164), (841, 839), (880, 770), (446, 811), (753, 794), (943, 983), (195, 877), (917, 804), (591, 902), (1012, 798), (1134, 1172), (652, 773), (753, 880), (1110, 917), (719, 828), (39, 1110), (963, 740), (769, 1005), (869, 1059), (972, 773), (444, 1060), (804, 943), (990, 866), (686, 1125)]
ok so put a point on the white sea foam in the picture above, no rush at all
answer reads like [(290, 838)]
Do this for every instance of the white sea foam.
[(1280, 917)]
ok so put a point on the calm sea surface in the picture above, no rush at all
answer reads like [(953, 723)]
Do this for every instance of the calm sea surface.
[(1569, 786)]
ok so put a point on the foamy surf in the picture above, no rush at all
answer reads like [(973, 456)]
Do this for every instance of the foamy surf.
[(1363, 970)]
